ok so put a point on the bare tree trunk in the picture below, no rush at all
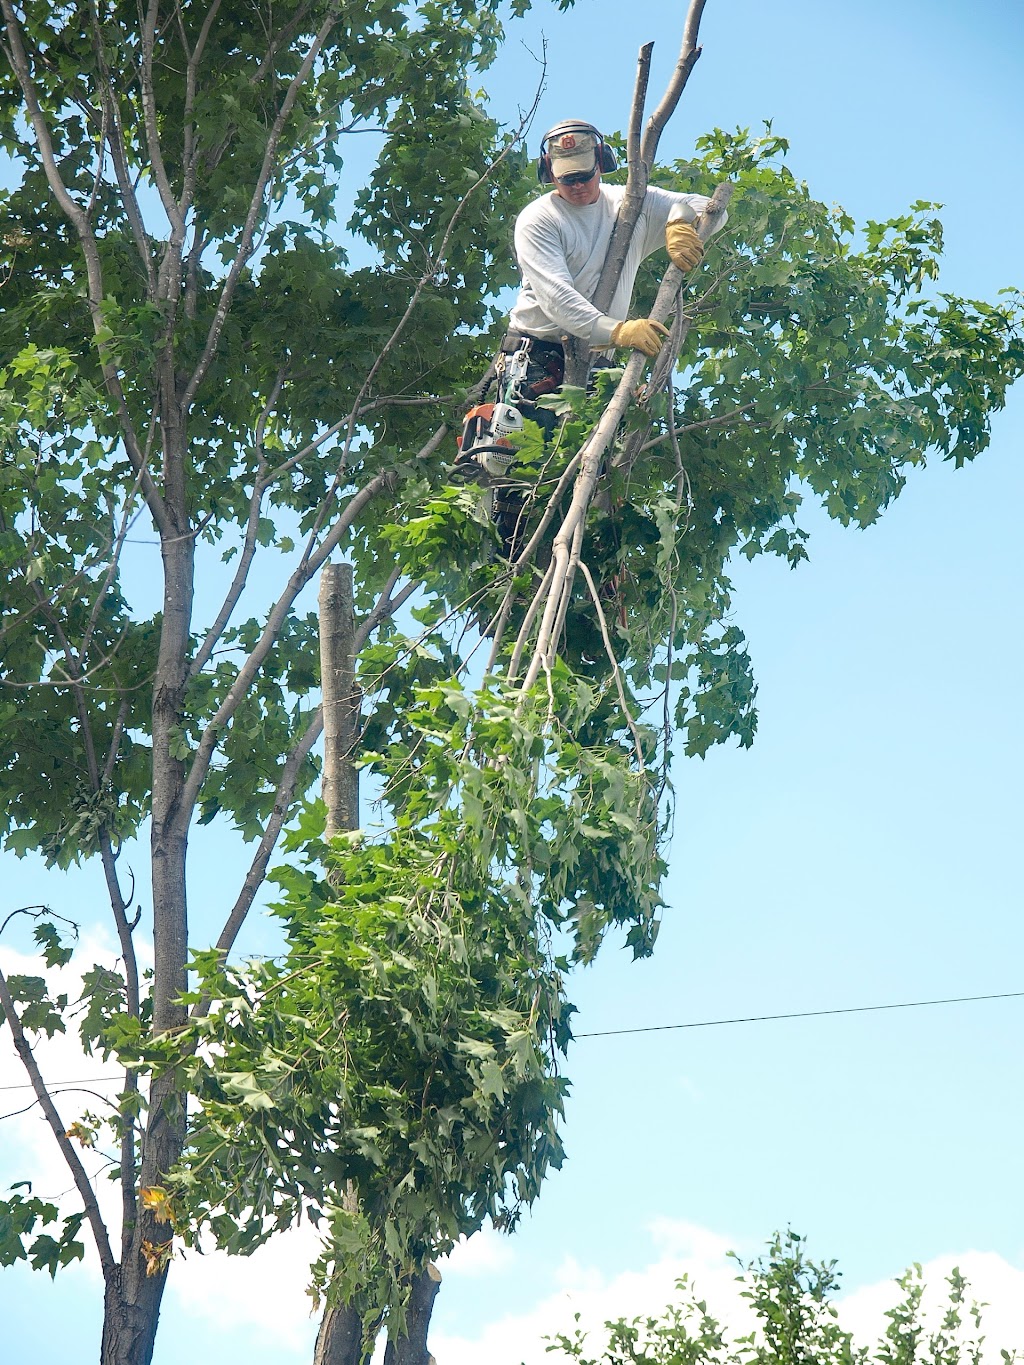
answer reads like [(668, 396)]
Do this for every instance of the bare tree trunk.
[(411, 1348), (340, 698), (340, 1339), (134, 1289)]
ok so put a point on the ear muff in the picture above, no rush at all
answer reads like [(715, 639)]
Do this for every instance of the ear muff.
[(606, 158)]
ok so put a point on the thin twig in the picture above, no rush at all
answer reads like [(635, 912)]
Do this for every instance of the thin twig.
[(616, 671)]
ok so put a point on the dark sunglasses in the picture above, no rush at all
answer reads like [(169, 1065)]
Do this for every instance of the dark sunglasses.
[(577, 177)]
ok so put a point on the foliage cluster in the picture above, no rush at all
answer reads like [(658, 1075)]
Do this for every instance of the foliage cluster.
[(791, 1301)]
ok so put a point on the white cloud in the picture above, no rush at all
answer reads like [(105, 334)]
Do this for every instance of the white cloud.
[(485, 1253), (263, 1295), (685, 1249)]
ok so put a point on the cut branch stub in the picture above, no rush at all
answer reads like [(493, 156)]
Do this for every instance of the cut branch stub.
[(341, 703)]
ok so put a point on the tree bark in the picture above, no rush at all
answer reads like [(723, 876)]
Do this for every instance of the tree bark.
[(340, 1338), (411, 1347), (340, 698), (134, 1290)]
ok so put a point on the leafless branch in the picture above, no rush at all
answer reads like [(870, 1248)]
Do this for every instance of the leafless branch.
[(78, 1172), (151, 125), (258, 867), (639, 168), (688, 55), (595, 597), (641, 158)]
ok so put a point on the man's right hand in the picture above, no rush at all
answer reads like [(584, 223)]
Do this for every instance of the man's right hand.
[(641, 334)]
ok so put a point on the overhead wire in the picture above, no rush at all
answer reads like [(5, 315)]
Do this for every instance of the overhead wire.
[(801, 1014), (696, 1023)]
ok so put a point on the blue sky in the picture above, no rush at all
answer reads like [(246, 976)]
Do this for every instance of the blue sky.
[(865, 850)]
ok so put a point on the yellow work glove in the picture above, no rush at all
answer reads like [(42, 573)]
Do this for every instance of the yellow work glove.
[(642, 334), (683, 245)]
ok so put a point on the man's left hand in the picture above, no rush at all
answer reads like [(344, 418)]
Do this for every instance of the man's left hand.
[(684, 247)]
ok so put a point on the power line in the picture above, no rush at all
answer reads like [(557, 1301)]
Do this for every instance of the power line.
[(697, 1023), (801, 1014), (53, 1085)]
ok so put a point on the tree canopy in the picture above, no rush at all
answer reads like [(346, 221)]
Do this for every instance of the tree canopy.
[(188, 356)]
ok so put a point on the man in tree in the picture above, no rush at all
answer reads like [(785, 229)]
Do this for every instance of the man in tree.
[(561, 241)]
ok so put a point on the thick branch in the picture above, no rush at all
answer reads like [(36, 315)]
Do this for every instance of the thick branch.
[(149, 118), (636, 188), (706, 226), (688, 55), (258, 867)]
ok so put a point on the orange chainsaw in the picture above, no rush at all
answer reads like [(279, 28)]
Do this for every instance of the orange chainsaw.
[(485, 445)]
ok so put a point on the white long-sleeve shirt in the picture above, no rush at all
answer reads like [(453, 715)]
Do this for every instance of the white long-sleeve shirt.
[(561, 248)]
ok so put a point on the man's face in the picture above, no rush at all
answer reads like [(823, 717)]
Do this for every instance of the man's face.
[(586, 193)]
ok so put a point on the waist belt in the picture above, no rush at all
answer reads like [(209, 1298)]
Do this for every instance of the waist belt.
[(514, 341)]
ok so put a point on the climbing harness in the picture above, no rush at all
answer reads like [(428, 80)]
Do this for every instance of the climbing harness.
[(484, 444)]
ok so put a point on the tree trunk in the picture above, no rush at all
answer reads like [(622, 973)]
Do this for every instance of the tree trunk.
[(131, 1310), (411, 1348), (340, 1339), (340, 698), (134, 1290)]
